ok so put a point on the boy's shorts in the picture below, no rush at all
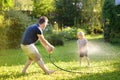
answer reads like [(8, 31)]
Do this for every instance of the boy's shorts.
[(84, 54), (31, 51)]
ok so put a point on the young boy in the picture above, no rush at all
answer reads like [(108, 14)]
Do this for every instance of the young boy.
[(82, 47), (30, 36)]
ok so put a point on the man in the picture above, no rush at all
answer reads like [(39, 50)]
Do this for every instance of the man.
[(30, 36)]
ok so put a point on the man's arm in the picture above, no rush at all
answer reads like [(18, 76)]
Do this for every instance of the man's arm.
[(45, 43)]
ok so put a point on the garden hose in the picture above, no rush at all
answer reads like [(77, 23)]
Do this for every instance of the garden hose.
[(62, 68)]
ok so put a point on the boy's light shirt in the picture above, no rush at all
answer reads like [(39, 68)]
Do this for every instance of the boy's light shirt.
[(82, 45)]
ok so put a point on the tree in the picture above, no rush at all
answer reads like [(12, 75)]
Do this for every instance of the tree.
[(66, 12), (23, 5), (6, 5), (91, 16), (111, 17), (43, 7), (15, 24)]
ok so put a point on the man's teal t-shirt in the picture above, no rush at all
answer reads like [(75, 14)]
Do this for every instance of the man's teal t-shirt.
[(30, 34)]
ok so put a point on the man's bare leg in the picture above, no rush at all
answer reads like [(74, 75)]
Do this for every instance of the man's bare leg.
[(26, 66), (44, 68), (80, 61)]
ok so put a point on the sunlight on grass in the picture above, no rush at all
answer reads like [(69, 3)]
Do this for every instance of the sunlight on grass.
[(104, 58), (100, 67), (94, 36), (34, 72)]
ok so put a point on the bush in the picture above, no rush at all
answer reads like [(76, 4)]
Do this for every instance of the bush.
[(55, 39), (2, 38), (15, 24), (48, 29), (69, 33), (2, 33)]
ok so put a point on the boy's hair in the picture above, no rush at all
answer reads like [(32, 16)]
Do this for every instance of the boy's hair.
[(42, 19), (80, 33)]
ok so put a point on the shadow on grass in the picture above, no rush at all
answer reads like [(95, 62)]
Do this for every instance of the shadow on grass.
[(13, 75), (100, 76), (114, 75)]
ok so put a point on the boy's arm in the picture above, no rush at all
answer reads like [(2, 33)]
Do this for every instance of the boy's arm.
[(85, 43), (78, 47), (45, 43)]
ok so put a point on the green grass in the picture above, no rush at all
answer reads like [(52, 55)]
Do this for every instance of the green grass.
[(104, 58)]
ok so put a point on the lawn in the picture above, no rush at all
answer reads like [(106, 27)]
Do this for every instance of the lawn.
[(104, 58)]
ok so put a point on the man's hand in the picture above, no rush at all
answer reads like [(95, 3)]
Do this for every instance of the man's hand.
[(46, 44), (50, 49)]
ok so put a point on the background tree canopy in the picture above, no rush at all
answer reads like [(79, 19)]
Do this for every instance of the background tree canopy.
[(66, 17), (111, 16)]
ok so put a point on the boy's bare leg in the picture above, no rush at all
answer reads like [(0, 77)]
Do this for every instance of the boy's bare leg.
[(26, 66), (80, 60), (44, 68), (87, 59)]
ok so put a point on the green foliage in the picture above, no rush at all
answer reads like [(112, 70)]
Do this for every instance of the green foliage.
[(91, 16), (15, 24), (69, 33), (24, 5), (2, 38), (6, 5), (43, 7), (111, 25), (88, 17), (1, 20), (66, 12), (55, 39), (48, 29)]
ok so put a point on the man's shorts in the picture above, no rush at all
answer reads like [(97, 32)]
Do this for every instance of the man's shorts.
[(83, 54), (31, 51)]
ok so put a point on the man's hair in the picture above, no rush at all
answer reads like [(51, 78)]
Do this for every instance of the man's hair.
[(42, 19)]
